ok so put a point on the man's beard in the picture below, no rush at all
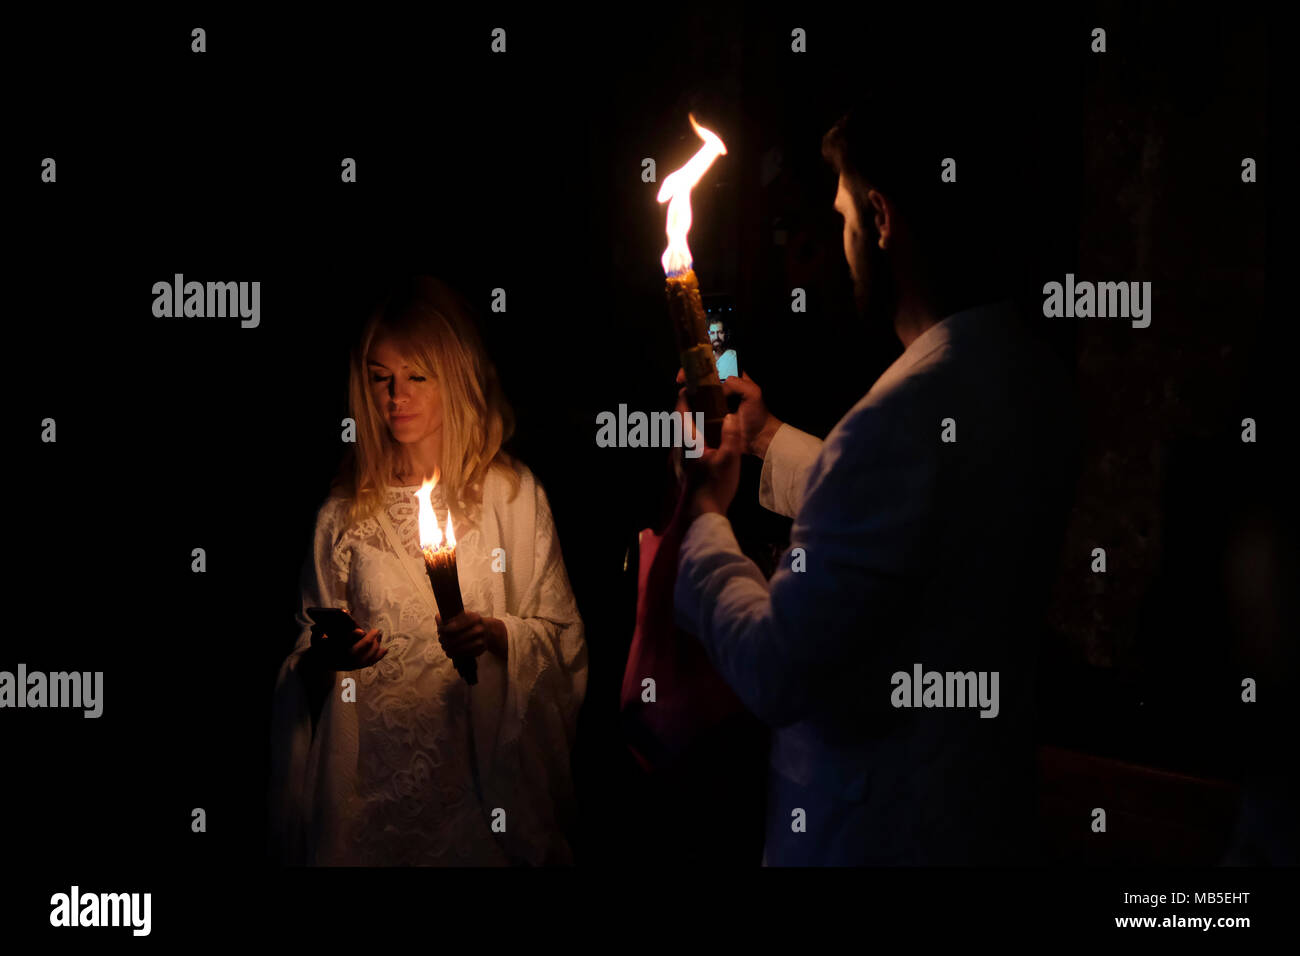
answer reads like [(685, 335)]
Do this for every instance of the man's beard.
[(874, 291)]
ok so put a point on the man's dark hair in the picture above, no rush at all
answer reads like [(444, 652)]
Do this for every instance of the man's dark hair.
[(898, 144)]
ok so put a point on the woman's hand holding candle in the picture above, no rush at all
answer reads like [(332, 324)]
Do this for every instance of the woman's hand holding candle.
[(470, 634)]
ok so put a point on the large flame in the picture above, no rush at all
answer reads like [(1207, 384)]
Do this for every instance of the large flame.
[(430, 535), (676, 191)]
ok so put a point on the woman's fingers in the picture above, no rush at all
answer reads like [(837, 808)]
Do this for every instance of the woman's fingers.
[(456, 635), (367, 651), (454, 645), (456, 642), (366, 646), (469, 649), (362, 649), (461, 622)]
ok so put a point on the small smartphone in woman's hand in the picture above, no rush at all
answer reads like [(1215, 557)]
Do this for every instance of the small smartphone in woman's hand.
[(335, 621), (345, 643)]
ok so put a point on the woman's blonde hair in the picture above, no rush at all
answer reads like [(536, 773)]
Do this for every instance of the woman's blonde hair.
[(433, 329)]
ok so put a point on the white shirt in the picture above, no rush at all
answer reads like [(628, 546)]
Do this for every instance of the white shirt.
[(913, 550), (726, 363)]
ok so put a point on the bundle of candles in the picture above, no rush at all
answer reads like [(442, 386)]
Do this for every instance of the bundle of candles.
[(703, 388), (440, 565)]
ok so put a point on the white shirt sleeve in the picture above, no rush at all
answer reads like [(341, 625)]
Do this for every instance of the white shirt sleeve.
[(785, 470), (866, 523)]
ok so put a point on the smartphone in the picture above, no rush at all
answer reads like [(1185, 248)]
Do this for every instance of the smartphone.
[(720, 315), (336, 621)]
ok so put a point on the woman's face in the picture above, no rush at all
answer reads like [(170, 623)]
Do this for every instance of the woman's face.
[(411, 403)]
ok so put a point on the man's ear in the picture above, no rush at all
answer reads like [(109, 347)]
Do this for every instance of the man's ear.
[(880, 216)]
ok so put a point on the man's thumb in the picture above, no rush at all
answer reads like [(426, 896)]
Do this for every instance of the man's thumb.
[(738, 385)]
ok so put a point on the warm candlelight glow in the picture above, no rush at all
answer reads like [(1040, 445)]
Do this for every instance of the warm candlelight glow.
[(676, 191), (440, 566), (430, 534)]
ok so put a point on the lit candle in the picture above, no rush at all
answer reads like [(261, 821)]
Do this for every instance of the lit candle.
[(703, 389), (440, 565)]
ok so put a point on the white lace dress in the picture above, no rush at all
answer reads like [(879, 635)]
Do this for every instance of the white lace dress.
[(391, 779)]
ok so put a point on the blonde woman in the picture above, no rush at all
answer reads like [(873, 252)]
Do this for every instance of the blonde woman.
[(413, 765)]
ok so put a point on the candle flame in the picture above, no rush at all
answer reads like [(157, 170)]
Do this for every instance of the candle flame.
[(676, 191), (430, 535)]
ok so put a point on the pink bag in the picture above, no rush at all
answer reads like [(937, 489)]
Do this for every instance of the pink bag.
[(691, 700)]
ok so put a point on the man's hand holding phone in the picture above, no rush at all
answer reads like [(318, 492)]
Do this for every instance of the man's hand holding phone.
[(745, 400)]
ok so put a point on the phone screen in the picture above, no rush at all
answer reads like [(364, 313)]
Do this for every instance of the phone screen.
[(720, 313)]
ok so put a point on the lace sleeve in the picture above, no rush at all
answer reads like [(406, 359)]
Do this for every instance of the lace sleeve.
[(323, 584), (548, 650), (546, 682), (324, 576)]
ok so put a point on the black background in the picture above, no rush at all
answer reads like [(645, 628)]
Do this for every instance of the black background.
[(523, 172)]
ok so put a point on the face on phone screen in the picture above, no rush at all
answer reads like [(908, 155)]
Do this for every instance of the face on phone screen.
[(724, 353)]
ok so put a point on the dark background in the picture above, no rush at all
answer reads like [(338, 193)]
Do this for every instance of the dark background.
[(523, 172)]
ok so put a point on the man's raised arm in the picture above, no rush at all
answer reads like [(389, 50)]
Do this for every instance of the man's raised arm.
[(787, 452), (864, 529)]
